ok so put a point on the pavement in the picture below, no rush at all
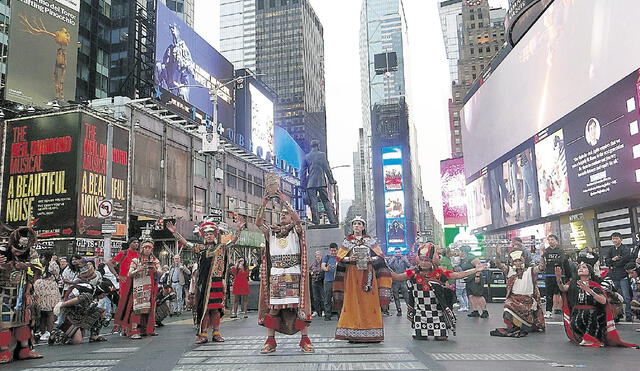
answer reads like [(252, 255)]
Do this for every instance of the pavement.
[(472, 349)]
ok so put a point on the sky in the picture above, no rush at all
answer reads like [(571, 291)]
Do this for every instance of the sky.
[(430, 87)]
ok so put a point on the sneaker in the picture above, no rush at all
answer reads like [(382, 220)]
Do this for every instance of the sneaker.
[(474, 314), (399, 313), (45, 336), (456, 305), (484, 314), (548, 314), (314, 314), (461, 309)]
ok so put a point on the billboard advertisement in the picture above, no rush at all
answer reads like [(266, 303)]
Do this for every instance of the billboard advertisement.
[(514, 190), (188, 68), (454, 198), (479, 202), (394, 200), (262, 124), (603, 145), (557, 66), (551, 167), (288, 151), (92, 176), (43, 52), (39, 173)]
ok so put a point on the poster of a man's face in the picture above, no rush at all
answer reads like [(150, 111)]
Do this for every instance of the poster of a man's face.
[(592, 131)]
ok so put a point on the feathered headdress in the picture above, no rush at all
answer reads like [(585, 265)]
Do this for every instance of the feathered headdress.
[(208, 226)]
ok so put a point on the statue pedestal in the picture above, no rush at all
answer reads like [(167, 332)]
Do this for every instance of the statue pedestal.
[(320, 236)]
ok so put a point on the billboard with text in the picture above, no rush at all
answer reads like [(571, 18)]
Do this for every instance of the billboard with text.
[(454, 198), (394, 200), (43, 52)]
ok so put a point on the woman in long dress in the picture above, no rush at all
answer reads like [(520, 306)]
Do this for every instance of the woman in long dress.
[(362, 287)]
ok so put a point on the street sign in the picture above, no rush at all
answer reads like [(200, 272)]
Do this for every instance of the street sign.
[(105, 208), (109, 228)]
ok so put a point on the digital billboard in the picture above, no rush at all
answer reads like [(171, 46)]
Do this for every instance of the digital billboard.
[(603, 145), (188, 68), (39, 174), (551, 167), (574, 51), (454, 198), (514, 190), (479, 202), (262, 124), (394, 200), (43, 52)]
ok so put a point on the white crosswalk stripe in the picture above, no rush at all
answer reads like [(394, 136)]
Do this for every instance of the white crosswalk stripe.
[(87, 364), (243, 353)]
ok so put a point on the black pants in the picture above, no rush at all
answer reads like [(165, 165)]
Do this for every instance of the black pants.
[(317, 289), (328, 299), (552, 288), (321, 193)]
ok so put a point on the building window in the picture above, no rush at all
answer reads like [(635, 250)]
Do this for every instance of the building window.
[(456, 132), (456, 123), (200, 200), (472, 17), (471, 51), (482, 66), (456, 114), (457, 140), (479, 15), (458, 149), (473, 26), (480, 24), (488, 49), (473, 68), (474, 76)]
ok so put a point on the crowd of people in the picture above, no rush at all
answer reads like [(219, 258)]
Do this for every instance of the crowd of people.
[(63, 300)]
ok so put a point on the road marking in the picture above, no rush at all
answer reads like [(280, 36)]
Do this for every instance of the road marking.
[(485, 357), (310, 366), (116, 350), (82, 363), (47, 368), (319, 349)]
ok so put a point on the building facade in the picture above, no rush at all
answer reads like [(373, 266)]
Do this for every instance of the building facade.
[(238, 32), (481, 35), (290, 56), (184, 8)]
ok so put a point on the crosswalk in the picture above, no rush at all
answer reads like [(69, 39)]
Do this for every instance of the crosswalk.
[(110, 358), (243, 353)]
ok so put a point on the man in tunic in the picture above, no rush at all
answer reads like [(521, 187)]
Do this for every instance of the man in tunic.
[(212, 273), (284, 305), (361, 287), (522, 307), (19, 265), (430, 302)]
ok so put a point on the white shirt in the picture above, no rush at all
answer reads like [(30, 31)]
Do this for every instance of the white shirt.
[(524, 285)]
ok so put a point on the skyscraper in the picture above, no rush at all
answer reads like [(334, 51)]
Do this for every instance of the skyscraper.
[(238, 32), (480, 34), (382, 30), (184, 8), (290, 54)]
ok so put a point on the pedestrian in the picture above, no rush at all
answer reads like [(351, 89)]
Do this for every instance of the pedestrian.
[(474, 284), (240, 290), (317, 284), (362, 281), (430, 302), (47, 294), (17, 258), (553, 257), (177, 276), (110, 300), (617, 257), (461, 292), (63, 264), (522, 307), (71, 272), (81, 314), (284, 305), (517, 245), (119, 266), (210, 289), (588, 319), (329, 267), (139, 313), (399, 264)]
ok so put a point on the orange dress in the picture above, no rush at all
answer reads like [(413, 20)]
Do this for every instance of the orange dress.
[(361, 314)]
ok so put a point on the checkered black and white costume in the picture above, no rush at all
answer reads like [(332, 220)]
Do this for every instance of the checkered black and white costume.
[(428, 319)]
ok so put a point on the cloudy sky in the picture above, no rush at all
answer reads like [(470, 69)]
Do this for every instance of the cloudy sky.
[(429, 76)]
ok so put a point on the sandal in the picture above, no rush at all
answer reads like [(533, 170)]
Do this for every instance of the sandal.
[(97, 339), (135, 337), (305, 345), (202, 338), (269, 346), (217, 337), (26, 353)]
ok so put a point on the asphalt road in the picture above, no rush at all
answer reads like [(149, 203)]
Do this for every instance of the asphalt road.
[(472, 349)]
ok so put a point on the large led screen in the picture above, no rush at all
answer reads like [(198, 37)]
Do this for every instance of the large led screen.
[(394, 202), (454, 198), (603, 145), (262, 127), (189, 70), (553, 178), (577, 49), (43, 51), (479, 202), (514, 195)]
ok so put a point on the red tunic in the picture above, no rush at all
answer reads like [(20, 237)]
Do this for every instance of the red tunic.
[(240, 281)]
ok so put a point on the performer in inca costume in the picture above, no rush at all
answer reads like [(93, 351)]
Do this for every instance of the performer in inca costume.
[(212, 276), (284, 304), (361, 287), (430, 302), (19, 267), (523, 311)]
